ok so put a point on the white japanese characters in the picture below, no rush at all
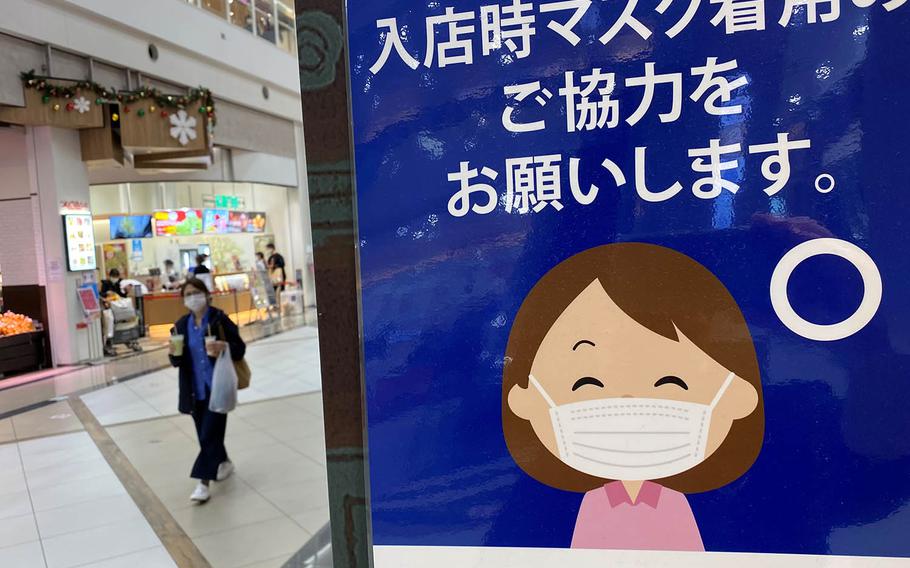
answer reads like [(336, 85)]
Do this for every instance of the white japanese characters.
[(590, 105), (534, 183), (508, 28), (598, 99)]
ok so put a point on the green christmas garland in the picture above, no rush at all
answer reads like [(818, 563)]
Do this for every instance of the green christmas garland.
[(166, 103)]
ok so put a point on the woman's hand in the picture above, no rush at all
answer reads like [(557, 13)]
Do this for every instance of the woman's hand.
[(215, 348)]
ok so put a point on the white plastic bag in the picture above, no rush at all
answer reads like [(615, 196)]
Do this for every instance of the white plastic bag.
[(224, 384)]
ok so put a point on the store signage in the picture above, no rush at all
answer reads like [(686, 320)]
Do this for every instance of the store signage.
[(75, 207), (246, 222), (223, 202), (215, 221), (633, 280), (228, 202), (80, 243), (88, 298), (178, 222), (136, 250), (222, 222), (55, 270)]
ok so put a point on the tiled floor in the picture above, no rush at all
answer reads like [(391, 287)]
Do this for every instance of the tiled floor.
[(62, 506), (282, 365), (272, 505)]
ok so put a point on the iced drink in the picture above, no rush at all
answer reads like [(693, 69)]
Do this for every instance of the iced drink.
[(177, 345)]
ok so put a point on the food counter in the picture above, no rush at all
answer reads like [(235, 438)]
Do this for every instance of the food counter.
[(164, 308)]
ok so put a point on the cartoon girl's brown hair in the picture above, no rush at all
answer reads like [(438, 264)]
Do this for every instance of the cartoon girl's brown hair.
[(659, 288)]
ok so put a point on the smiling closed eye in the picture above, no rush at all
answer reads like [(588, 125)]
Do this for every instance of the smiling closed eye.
[(586, 381), (672, 380)]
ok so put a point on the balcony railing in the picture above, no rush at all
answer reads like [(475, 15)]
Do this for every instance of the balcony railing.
[(272, 20)]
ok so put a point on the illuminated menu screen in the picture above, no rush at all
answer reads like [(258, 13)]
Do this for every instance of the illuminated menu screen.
[(246, 222), (178, 222), (80, 242)]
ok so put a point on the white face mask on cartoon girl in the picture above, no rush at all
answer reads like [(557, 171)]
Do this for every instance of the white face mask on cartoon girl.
[(632, 439)]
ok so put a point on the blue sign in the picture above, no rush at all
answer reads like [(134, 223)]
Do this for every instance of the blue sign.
[(136, 249), (635, 277)]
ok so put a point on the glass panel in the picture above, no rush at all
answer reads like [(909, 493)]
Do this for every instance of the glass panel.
[(265, 19), (287, 32), (241, 13), (217, 7)]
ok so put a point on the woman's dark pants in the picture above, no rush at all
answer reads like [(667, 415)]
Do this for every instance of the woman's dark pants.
[(210, 429)]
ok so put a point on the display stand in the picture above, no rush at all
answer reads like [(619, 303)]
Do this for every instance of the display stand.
[(263, 293), (22, 353)]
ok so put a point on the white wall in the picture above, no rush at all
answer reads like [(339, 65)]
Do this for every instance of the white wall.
[(195, 47), (20, 229), (230, 165), (274, 201), (265, 168), (13, 156), (107, 200)]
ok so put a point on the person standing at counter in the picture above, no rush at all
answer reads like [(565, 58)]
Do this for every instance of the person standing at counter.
[(170, 277), (204, 333), (276, 268), (202, 272), (109, 286), (200, 267), (263, 278)]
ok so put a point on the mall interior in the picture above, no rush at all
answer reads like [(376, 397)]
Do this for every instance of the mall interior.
[(143, 144)]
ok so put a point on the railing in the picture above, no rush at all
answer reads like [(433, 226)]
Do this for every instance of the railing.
[(272, 20)]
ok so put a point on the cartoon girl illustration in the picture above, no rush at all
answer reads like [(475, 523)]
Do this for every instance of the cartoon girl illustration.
[(631, 376)]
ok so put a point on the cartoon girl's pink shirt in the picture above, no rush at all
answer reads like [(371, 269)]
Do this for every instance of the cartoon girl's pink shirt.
[(660, 519)]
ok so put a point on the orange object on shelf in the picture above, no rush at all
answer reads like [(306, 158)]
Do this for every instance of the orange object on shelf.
[(14, 324)]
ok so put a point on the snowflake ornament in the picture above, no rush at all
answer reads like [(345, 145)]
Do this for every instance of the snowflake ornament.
[(82, 105), (183, 127)]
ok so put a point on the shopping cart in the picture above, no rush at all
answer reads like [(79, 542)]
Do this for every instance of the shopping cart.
[(127, 325)]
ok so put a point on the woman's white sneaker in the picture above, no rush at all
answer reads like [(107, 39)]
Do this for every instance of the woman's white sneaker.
[(224, 471), (201, 494)]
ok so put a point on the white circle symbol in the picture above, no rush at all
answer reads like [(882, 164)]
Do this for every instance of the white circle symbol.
[(829, 185), (872, 289)]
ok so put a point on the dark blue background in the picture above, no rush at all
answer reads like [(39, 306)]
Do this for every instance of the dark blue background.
[(440, 293)]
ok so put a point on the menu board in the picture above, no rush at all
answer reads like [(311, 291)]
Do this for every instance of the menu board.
[(215, 221), (222, 221), (246, 222), (178, 222), (80, 242)]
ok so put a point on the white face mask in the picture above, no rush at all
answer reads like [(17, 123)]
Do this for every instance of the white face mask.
[(632, 439), (195, 302)]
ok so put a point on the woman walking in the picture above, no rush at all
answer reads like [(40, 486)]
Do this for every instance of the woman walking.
[(197, 340)]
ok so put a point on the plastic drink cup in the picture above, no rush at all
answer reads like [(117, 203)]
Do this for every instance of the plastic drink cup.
[(209, 340), (177, 342)]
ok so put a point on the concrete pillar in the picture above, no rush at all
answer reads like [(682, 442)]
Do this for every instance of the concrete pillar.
[(60, 175)]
